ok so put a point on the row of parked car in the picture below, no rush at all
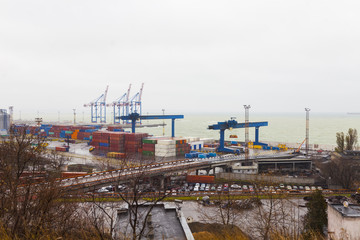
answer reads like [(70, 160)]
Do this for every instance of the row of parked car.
[(248, 188), (207, 187)]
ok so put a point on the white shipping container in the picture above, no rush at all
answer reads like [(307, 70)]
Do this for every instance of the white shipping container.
[(165, 147), (171, 151), (207, 140), (166, 142), (192, 139)]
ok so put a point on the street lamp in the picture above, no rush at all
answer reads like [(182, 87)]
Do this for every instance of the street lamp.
[(307, 131), (163, 110)]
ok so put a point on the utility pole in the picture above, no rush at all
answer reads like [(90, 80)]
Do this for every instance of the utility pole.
[(74, 115), (247, 107), (307, 131), (163, 110)]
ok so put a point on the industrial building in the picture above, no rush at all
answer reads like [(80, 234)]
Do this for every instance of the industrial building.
[(4, 122)]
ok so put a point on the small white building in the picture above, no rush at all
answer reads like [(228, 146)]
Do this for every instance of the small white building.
[(246, 168), (343, 221)]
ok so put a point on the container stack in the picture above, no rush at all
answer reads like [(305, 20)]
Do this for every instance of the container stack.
[(148, 146), (165, 148), (117, 141), (182, 147), (133, 142), (101, 141), (115, 129), (60, 131)]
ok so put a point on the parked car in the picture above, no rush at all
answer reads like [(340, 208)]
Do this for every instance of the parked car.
[(102, 190)]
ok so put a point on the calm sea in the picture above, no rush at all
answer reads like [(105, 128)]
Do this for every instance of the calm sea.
[(283, 127), (286, 128)]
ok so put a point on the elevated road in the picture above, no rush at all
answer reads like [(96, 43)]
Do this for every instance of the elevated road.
[(96, 180)]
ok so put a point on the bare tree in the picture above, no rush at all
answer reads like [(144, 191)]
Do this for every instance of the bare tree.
[(139, 205), (226, 210), (30, 197), (341, 171)]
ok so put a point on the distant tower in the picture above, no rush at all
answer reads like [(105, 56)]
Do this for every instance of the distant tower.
[(163, 110), (11, 111), (307, 130), (74, 115), (247, 107)]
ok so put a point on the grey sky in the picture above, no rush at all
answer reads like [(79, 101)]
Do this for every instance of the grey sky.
[(206, 56)]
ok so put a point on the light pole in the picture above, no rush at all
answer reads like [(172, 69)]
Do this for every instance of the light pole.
[(307, 131), (247, 107), (74, 115), (163, 110)]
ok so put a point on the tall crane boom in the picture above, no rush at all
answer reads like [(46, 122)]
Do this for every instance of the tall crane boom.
[(98, 108)]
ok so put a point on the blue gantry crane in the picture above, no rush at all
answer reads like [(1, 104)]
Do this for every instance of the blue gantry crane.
[(98, 108), (135, 102), (222, 126), (121, 106), (133, 117)]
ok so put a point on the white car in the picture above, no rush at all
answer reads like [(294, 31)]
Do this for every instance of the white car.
[(102, 190)]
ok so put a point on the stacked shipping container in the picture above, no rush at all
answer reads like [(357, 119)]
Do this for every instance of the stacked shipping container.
[(118, 141), (148, 146), (133, 142)]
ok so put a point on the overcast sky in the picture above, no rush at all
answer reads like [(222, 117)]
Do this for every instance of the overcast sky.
[(193, 56)]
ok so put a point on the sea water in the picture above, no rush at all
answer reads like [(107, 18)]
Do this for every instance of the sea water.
[(282, 127)]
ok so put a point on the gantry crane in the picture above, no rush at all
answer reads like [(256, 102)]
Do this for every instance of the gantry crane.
[(222, 126), (121, 106), (133, 117), (135, 101), (98, 108)]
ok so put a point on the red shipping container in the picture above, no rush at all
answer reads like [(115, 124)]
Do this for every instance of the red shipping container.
[(200, 179)]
